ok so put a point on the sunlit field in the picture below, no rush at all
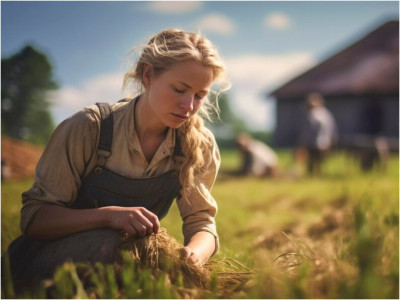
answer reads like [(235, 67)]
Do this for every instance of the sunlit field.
[(333, 236)]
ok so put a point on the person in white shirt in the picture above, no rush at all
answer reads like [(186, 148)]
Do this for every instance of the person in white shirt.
[(257, 158), (317, 134)]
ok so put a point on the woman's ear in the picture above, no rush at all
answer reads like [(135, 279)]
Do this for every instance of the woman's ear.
[(148, 73)]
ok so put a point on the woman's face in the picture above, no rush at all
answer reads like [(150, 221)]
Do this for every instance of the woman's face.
[(178, 93)]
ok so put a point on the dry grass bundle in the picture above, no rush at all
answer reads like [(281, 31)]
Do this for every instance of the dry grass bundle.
[(231, 276), (161, 252)]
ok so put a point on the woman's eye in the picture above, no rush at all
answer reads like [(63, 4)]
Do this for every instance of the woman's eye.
[(179, 91), (199, 97)]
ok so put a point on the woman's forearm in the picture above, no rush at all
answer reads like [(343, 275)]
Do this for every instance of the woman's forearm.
[(53, 221), (203, 244)]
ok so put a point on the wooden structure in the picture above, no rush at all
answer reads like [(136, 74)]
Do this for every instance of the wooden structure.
[(360, 85)]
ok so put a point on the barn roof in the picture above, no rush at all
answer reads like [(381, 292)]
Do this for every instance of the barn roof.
[(370, 66)]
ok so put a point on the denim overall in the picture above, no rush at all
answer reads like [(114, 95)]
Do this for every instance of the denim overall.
[(32, 260), (103, 187)]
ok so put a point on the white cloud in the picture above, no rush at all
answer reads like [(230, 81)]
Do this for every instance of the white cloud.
[(277, 21), (216, 23), (254, 76), (174, 7), (68, 100)]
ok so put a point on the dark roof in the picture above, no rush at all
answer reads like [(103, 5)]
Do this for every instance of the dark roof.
[(368, 67)]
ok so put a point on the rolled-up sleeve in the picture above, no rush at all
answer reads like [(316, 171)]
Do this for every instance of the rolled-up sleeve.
[(62, 165), (198, 213)]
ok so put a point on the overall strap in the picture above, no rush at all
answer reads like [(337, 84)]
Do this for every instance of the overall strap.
[(106, 132), (178, 145), (178, 156)]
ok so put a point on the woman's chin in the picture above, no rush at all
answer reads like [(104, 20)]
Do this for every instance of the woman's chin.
[(176, 124)]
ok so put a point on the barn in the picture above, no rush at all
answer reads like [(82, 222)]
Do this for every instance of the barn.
[(360, 85)]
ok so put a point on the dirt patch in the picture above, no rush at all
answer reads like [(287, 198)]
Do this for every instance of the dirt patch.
[(335, 219), (275, 239), (333, 222), (18, 158)]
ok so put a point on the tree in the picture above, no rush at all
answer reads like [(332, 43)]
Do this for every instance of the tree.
[(26, 78), (228, 125)]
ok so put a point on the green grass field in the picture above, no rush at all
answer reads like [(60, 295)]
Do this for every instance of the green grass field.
[(334, 236)]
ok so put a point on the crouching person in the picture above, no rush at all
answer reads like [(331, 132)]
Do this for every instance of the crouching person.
[(114, 170)]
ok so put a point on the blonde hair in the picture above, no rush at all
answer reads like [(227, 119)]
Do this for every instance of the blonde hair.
[(161, 52)]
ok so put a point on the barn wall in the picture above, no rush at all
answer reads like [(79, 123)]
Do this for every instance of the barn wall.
[(390, 126), (290, 114), (353, 115), (366, 115), (346, 113)]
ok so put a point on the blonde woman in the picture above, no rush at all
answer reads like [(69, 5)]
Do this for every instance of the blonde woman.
[(117, 168)]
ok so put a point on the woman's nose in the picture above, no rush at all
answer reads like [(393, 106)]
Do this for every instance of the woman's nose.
[(187, 103)]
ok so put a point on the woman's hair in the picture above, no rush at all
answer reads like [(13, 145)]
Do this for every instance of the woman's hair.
[(162, 52)]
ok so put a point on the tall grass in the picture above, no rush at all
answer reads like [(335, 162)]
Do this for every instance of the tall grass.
[(333, 236)]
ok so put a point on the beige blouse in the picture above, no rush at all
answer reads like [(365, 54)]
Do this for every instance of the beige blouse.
[(70, 156)]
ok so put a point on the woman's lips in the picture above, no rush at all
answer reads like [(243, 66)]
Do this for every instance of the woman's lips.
[(181, 117)]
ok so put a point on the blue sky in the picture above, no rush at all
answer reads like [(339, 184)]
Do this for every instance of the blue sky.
[(264, 43)]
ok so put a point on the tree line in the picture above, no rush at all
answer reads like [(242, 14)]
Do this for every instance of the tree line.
[(26, 78)]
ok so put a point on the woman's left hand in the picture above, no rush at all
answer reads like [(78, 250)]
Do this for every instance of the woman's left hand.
[(189, 254)]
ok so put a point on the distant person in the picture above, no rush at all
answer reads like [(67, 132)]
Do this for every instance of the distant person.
[(372, 152), (317, 134), (257, 158), (5, 171)]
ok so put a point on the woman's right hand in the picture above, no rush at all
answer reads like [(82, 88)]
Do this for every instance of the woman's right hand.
[(135, 221)]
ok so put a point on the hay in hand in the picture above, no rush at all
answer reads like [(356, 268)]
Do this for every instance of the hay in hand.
[(161, 252)]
